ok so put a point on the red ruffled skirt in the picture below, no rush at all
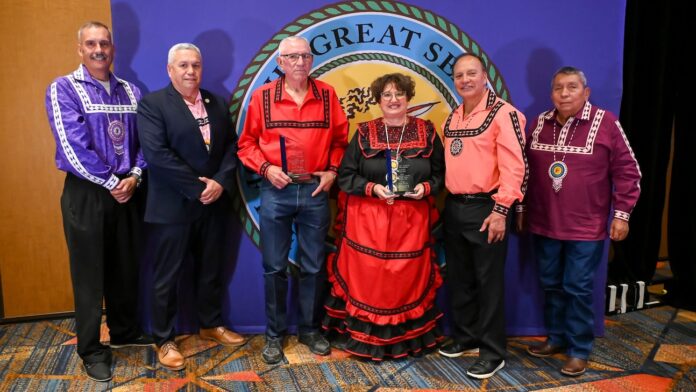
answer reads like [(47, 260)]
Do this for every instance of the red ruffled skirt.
[(383, 277)]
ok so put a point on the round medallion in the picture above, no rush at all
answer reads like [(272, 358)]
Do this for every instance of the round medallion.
[(558, 170), (117, 134), (456, 147)]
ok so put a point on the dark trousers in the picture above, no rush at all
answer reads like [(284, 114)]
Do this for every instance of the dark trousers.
[(475, 277), (280, 209), (567, 271), (101, 235), (203, 239)]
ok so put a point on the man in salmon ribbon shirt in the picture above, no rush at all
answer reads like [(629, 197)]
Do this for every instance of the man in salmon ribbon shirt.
[(294, 136), (581, 166), (486, 173)]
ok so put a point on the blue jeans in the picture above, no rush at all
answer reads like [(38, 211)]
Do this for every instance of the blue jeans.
[(567, 270), (280, 209)]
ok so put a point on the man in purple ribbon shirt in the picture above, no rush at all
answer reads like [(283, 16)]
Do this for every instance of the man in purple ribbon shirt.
[(92, 114)]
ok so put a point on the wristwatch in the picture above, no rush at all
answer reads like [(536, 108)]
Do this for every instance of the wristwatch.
[(138, 178)]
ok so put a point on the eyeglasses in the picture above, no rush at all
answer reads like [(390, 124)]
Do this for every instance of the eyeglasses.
[(388, 96), (293, 57)]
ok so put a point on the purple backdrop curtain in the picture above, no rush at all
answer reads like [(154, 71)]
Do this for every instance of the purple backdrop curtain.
[(527, 42)]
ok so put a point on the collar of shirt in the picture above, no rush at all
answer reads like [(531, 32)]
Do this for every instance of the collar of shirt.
[(196, 102), (585, 112), (282, 95), (83, 75), (485, 103)]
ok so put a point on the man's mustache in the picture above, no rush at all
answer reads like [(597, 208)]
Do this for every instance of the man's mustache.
[(98, 56)]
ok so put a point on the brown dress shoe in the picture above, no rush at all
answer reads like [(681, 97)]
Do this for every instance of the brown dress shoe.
[(544, 350), (170, 356), (222, 335), (574, 367)]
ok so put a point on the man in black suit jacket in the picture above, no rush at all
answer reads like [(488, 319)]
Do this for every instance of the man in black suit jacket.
[(189, 145)]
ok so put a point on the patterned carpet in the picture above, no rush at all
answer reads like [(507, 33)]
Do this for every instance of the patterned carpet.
[(651, 350)]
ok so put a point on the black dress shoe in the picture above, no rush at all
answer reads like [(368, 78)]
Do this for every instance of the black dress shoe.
[(316, 343), (98, 371), (454, 350), (140, 341), (272, 352), (484, 369)]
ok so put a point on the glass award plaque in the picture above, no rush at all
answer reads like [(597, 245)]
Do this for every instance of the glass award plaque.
[(403, 182), (292, 156)]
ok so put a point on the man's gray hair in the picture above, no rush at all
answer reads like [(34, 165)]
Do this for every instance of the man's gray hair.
[(90, 24), (182, 46), (291, 38), (568, 70)]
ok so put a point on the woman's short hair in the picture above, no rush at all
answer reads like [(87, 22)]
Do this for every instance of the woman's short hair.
[(401, 82)]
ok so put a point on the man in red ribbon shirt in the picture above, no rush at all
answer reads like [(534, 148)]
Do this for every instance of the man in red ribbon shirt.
[(294, 136)]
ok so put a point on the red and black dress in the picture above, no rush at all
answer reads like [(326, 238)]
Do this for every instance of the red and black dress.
[(383, 274)]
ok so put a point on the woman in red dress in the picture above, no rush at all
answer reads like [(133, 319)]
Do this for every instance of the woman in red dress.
[(383, 274)]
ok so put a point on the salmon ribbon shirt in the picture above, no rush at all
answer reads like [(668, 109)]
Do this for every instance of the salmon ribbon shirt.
[(484, 152)]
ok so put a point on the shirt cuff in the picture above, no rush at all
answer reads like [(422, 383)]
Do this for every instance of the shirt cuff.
[(426, 188), (333, 169), (136, 171), (264, 168), (368, 188), (624, 216), (501, 209), (111, 182)]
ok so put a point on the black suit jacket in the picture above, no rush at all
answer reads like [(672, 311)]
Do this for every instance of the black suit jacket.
[(176, 155)]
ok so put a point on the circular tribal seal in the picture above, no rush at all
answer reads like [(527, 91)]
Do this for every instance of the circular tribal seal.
[(117, 134), (456, 147), (354, 43)]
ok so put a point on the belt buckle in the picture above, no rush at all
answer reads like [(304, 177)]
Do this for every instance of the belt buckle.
[(301, 179)]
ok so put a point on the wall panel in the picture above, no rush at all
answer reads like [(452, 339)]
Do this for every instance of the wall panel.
[(39, 43)]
